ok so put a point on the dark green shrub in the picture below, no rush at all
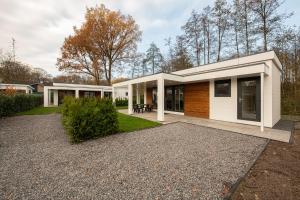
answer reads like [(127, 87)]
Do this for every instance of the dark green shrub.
[(87, 118), (18, 103), (121, 102)]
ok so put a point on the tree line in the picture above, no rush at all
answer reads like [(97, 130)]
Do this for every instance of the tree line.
[(106, 44), (15, 71), (228, 29), (231, 29)]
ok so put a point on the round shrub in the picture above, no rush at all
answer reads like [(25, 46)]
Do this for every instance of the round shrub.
[(87, 118)]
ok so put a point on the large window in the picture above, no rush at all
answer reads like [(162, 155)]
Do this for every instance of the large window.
[(174, 98), (223, 88)]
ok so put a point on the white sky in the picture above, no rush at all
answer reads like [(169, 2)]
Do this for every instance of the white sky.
[(39, 27)]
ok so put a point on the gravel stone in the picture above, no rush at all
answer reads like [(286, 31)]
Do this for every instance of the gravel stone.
[(173, 161)]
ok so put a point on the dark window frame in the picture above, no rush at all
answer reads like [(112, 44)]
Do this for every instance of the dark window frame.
[(222, 82), (258, 98)]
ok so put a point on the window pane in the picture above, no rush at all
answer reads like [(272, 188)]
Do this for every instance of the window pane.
[(222, 88)]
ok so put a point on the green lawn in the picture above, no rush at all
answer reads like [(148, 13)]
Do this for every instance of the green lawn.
[(40, 111), (121, 107), (129, 123), (126, 123)]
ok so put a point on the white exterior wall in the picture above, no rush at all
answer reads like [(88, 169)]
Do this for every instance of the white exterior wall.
[(55, 97), (121, 93), (276, 95), (225, 108), (74, 87), (46, 97)]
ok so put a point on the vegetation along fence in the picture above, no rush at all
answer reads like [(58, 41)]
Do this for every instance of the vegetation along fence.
[(10, 104)]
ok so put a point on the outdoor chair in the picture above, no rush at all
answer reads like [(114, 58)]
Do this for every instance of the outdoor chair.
[(140, 108), (135, 108)]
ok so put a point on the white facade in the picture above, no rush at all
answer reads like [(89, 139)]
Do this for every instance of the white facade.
[(18, 87), (265, 66), (51, 93)]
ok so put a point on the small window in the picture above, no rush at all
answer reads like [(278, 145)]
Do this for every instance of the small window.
[(126, 94), (223, 88), (107, 94)]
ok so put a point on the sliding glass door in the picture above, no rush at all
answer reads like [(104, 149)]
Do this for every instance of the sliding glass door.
[(174, 98), (249, 99)]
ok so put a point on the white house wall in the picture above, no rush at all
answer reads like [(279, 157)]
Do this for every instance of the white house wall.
[(121, 93), (276, 94), (268, 98), (225, 108)]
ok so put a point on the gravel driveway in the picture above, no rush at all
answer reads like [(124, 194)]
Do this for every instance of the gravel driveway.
[(174, 161)]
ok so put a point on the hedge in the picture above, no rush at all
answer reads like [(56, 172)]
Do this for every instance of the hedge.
[(121, 102), (18, 103), (87, 118)]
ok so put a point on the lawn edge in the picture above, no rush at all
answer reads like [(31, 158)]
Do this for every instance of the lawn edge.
[(234, 187)]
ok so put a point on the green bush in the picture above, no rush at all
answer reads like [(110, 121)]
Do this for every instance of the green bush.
[(121, 102), (87, 118), (18, 103)]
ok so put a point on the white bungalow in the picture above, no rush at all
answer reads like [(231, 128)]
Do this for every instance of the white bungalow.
[(53, 95), (19, 88), (242, 90)]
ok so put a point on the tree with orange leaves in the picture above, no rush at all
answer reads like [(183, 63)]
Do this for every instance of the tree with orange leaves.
[(104, 41)]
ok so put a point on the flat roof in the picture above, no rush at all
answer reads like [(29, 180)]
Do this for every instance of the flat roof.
[(15, 85), (80, 85), (248, 63)]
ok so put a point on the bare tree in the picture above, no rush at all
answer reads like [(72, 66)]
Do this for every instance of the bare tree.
[(236, 25), (268, 17), (221, 15), (207, 27), (193, 33)]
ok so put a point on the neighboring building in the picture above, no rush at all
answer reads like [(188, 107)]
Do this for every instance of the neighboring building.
[(242, 90), (53, 95), (38, 87), (20, 88)]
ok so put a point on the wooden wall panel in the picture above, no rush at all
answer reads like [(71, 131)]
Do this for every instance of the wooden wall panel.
[(196, 99), (149, 95)]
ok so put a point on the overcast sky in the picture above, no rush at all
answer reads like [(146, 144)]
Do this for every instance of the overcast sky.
[(40, 26)]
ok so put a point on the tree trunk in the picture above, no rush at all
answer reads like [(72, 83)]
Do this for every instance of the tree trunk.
[(110, 63), (219, 44), (237, 43), (246, 27), (204, 49), (208, 44), (265, 35)]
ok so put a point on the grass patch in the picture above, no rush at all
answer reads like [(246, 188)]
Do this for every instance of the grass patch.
[(121, 107), (129, 123), (40, 111), (126, 123)]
